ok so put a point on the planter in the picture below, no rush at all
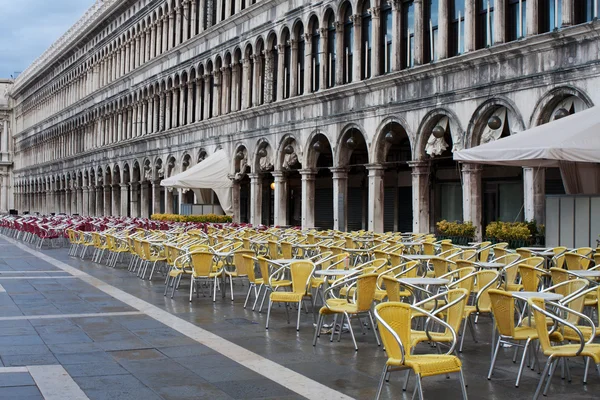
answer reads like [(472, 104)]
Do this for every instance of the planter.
[(459, 240)]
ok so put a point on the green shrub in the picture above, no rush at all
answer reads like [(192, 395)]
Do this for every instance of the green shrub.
[(462, 229)]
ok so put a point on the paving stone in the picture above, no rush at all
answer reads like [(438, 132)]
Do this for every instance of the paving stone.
[(20, 393), (95, 369), (16, 379), (21, 360), (82, 358), (114, 387), (253, 389)]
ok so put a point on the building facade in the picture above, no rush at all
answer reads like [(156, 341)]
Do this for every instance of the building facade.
[(6, 181), (336, 114)]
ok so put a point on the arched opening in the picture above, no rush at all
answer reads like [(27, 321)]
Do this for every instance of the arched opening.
[(242, 169), (264, 164), (367, 40), (315, 37), (394, 153), (354, 157), (287, 62), (300, 57), (331, 48), (321, 159), (291, 186)]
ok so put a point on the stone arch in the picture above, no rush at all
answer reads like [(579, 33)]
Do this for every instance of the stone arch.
[(264, 156), (430, 121), (312, 151), (398, 128), (548, 102), (484, 112), (351, 138)]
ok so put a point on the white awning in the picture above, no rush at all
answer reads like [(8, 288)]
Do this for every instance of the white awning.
[(212, 173), (575, 138), (571, 143)]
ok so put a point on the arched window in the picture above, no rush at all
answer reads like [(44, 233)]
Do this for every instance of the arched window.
[(287, 59), (456, 40), (301, 58), (331, 56), (485, 24), (316, 48), (408, 34), (348, 43), (367, 40), (516, 17), (550, 15)]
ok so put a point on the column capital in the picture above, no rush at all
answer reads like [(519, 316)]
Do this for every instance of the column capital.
[(308, 173), (278, 174), (375, 167), (124, 186), (339, 27), (255, 177), (339, 172), (356, 20), (134, 185), (375, 12), (471, 168)]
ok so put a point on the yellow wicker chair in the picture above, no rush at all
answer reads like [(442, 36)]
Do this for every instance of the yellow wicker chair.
[(363, 300), (485, 281), (394, 322), (583, 349), (240, 267), (301, 272)]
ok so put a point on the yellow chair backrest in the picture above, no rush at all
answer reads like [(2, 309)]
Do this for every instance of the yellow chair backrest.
[(559, 257), (484, 278), (301, 272), (456, 312), (484, 251), (249, 260), (537, 262), (202, 262), (273, 250), (365, 291), (559, 275), (530, 277), (539, 319), (397, 316), (440, 266), (446, 245), (576, 261), (470, 254), (392, 287), (286, 250), (240, 262), (428, 249), (503, 308), (524, 253), (499, 251)]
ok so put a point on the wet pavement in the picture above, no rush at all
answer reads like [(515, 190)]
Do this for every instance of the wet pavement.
[(118, 337)]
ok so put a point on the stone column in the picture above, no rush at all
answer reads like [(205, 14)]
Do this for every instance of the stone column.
[(144, 127), (567, 12), (190, 103), (73, 201), (120, 135), (269, 77), (472, 196), (357, 59), (153, 42), (308, 198), (155, 114), (123, 199), (376, 45), (443, 29), (280, 71), (470, 25), (340, 199), (207, 98), (294, 68), (199, 90), (245, 82), (80, 199), (420, 191), (156, 197), (217, 93), (138, 51), (145, 199), (534, 186), (107, 200), (419, 25), (134, 187), (168, 112), (376, 196), (281, 196), (194, 18), (323, 59), (308, 63), (500, 21), (235, 197), (168, 201), (165, 33), (92, 201), (532, 18), (86, 202), (256, 80), (340, 53), (116, 200), (161, 112), (171, 28), (177, 107), (255, 199), (99, 200), (67, 203)]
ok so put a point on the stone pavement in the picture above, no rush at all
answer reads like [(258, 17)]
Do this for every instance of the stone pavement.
[(73, 329)]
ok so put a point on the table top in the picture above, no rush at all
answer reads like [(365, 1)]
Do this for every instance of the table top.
[(412, 243), (334, 272), (305, 246), (357, 250), (490, 265), (586, 274), (543, 253), (284, 261), (417, 257), (425, 281), (223, 253), (546, 296)]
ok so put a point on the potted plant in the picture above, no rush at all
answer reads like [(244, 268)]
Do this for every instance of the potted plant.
[(459, 232)]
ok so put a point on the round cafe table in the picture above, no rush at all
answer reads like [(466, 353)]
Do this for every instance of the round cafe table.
[(490, 265), (586, 273), (425, 282), (546, 296)]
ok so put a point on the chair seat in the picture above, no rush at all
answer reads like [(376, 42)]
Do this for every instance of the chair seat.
[(281, 283), (569, 334), (429, 364), (514, 287), (176, 272), (338, 307), (570, 350), (287, 297), (417, 337), (210, 275)]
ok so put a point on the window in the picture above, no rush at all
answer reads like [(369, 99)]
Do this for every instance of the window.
[(516, 17), (431, 31), (386, 20), (316, 48), (287, 58), (408, 35), (485, 24), (331, 50), (456, 40), (367, 41), (550, 15), (348, 44), (583, 11), (301, 60)]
